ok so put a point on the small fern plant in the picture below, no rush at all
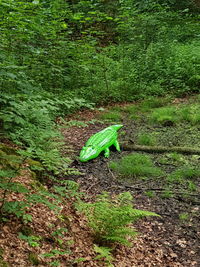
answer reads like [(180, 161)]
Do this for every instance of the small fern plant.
[(109, 218), (105, 254)]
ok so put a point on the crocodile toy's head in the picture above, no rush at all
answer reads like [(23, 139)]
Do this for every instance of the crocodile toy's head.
[(88, 153)]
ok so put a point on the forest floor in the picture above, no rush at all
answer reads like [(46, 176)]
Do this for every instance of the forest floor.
[(174, 238), (167, 241)]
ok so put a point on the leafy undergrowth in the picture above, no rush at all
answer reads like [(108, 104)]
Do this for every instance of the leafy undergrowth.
[(48, 230), (45, 226)]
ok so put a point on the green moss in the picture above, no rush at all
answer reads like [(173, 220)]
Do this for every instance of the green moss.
[(174, 159), (33, 258), (3, 263), (116, 108)]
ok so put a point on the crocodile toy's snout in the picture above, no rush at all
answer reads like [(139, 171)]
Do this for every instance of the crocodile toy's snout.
[(87, 153)]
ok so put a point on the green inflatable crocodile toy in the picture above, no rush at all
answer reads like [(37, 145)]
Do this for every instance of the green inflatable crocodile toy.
[(99, 142)]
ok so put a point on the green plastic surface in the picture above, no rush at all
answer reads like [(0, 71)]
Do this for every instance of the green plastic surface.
[(99, 142)]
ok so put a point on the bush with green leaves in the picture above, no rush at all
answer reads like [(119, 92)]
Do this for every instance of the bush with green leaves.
[(109, 218), (135, 166)]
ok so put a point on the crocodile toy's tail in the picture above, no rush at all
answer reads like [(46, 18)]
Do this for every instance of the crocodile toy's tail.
[(117, 127)]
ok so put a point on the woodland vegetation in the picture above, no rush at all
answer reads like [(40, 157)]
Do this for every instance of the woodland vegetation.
[(61, 57)]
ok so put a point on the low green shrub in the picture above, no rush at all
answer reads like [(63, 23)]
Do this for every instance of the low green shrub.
[(109, 218), (135, 165)]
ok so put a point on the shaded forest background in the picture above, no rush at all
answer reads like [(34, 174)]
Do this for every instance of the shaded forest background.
[(57, 56)]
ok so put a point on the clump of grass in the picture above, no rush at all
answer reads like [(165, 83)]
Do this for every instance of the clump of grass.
[(175, 156), (153, 102), (184, 216), (145, 106), (191, 186), (172, 158), (135, 165), (185, 114), (146, 140), (116, 108), (150, 194), (167, 193), (172, 115), (167, 116), (183, 174), (132, 109), (190, 113), (111, 116)]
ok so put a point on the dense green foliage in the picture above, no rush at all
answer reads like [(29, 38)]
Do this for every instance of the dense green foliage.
[(54, 52), (58, 56)]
